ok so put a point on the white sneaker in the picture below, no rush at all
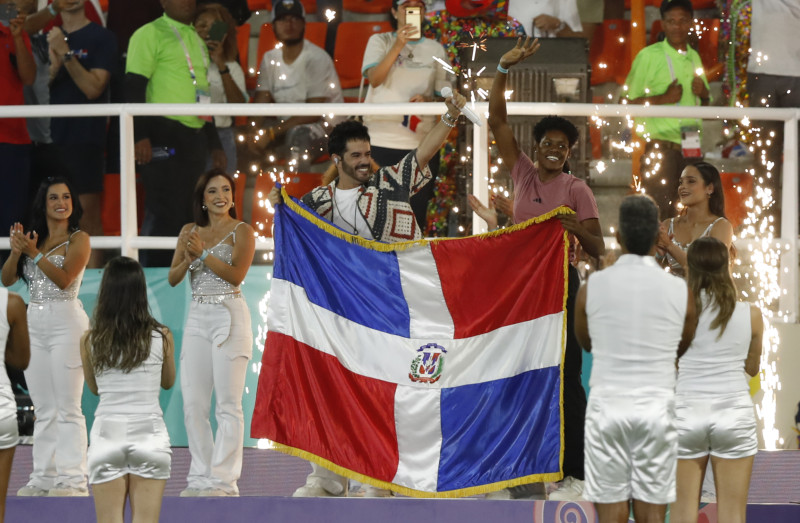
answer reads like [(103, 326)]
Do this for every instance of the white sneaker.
[(62, 491), (570, 489), (190, 492), (30, 490), (313, 491)]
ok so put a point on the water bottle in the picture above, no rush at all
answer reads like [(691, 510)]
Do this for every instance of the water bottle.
[(162, 153)]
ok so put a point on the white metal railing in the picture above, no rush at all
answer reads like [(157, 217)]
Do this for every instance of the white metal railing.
[(129, 241)]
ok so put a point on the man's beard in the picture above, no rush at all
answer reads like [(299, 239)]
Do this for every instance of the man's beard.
[(297, 40)]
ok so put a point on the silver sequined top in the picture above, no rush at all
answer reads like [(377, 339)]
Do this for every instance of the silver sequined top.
[(42, 289), (207, 286)]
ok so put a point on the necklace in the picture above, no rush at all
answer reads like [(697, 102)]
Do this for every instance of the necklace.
[(337, 211)]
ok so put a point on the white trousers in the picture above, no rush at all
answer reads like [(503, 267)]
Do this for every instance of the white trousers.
[(55, 382), (217, 343)]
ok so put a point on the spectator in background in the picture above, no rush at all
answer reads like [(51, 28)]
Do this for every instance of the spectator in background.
[(238, 9), (296, 72), (168, 63), (400, 68), (773, 70), (546, 18), (669, 72), (225, 75), (591, 14), (49, 16), (82, 58), (17, 68)]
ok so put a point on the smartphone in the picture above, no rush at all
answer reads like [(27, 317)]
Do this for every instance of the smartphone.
[(8, 12), (218, 31), (414, 17)]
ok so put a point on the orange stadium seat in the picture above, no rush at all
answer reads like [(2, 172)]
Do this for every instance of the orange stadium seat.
[(239, 181), (351, 41), (367, 6), (310, 6), (259, 5), (610, 52), (737, 188), (296, 184), (110, 205)]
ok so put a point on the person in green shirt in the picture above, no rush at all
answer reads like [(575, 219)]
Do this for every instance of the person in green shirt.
[(669, 72), (167, 62)]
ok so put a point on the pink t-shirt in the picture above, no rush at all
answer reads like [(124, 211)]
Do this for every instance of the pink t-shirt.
[(533, 198)]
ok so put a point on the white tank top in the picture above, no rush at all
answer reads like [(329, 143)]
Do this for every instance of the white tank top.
[(635, 312), (134, 392), (7, 401), (712, 365)]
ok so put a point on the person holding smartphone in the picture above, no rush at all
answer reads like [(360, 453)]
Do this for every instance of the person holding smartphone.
[(401, 67), (216, 26)]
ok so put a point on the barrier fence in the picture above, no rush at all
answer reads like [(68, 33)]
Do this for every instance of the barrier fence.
[(129, 242)]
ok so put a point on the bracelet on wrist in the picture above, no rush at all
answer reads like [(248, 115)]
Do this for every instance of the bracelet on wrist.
[(450, 117), (38, 258), (448, 122), (203, 255), (502, 69), (52, 10)]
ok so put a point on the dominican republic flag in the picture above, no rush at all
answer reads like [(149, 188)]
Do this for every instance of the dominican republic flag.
[(431, 368)]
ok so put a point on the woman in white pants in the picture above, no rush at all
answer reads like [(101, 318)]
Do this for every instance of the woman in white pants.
[(127, 358), (51, 257), (217, 251), (714, 413)]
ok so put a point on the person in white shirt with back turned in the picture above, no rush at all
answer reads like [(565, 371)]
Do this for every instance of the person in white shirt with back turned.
[(636, 320)]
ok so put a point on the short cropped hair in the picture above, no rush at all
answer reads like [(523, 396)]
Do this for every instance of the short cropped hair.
[(669, 5), (555, 123), (638, 223), (347, 131)]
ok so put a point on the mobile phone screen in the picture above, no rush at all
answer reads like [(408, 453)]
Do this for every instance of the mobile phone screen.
[(414, 17), (217, 31)]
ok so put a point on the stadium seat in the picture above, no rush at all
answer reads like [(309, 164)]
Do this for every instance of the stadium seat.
[(259, 5), (296, 184), (737, 188), (310, 6), (239, 180), (351, 41), (110, 205), (367, 6), (610, 52)]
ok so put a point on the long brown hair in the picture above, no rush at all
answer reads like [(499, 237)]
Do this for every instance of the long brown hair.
[(709, 271), (230, 47), (122, 325)]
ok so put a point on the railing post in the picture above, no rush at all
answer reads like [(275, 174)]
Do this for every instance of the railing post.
[(789, 227), (480, 171), (127, 182)]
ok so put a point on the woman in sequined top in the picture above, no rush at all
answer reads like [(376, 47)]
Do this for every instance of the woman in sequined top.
[(216, 250), (51, 257), (703, 214)]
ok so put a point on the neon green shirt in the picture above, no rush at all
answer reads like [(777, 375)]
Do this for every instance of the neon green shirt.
[(651, 75), (156, 53)]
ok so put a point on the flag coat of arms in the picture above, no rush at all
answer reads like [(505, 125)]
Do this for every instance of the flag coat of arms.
[(431, 368)]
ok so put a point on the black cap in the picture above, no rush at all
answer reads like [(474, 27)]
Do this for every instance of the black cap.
[(288, 7)]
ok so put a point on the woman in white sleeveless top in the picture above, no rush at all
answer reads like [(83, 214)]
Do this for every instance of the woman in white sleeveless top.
[(217, 251), (702, 214), (127, 359), (14, 351), (714, 413), (51, 257)]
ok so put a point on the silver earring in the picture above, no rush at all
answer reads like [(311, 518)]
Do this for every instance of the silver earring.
[(204, 207)]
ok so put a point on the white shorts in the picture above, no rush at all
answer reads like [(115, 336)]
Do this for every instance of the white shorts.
[(723, 425), (121, 445), (630, 447), (9, 432)]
